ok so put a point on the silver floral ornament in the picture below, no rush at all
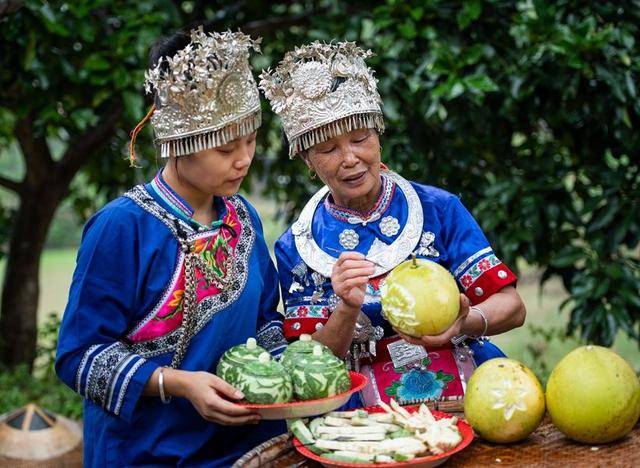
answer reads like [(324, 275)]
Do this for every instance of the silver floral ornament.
[(349, 239), (389, 226), (312, 79)]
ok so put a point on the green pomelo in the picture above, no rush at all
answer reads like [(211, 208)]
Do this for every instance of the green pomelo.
[(593, 395), (419, 297), (504, 401)]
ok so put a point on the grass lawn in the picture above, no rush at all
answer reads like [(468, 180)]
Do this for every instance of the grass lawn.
[(526, 344)]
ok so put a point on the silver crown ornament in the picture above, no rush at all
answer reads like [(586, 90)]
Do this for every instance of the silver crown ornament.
[(206, 93), (321, 91)]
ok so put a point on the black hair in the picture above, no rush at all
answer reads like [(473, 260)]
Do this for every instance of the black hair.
[(166, 46)]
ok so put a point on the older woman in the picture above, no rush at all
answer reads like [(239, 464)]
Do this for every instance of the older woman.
[(174, 273), (363, 223)]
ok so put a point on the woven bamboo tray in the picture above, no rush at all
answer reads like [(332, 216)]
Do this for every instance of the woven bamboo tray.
[(545, 447), (72, 459)]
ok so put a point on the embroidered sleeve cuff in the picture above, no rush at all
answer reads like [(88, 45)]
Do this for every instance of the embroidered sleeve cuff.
[(139, 379), (112, 377), (305, 318), (488, 283), (293, 328), (270, 336)]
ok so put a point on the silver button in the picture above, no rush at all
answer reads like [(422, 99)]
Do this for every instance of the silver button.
[(319, 326), (296, 326), (478, 291), (502, 274)]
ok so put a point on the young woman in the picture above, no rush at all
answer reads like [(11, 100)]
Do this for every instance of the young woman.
[(175, 272), (363, 223)]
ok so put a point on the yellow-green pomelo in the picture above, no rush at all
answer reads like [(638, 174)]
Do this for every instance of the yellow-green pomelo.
[(419, 297), (504, 401), (593, 395)]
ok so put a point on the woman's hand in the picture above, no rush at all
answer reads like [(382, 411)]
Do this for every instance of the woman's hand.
[(210, 396), (349, 278), (437, 341)]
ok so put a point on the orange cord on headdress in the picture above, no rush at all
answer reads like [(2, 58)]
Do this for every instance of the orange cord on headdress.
[(134, 135)]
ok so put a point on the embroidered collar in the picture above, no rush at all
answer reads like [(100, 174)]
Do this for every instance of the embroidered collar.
[(237, 213), (402, 246), (354, 217), (179, 206)]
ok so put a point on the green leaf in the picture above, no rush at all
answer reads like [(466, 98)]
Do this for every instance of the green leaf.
[(471, 11), (133, 104), (407, 30), (456, 90), (481, 83), (97, 62), (566, 257), (392, 389), (368, 29)]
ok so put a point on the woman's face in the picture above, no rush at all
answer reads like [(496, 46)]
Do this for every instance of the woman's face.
[(219, 171), (349, 165)]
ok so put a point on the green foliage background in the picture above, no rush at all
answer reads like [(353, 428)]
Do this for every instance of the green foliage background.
[(527, 109)]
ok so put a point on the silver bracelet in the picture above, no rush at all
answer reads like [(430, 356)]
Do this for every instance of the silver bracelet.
[(163, 397), (484, 319)]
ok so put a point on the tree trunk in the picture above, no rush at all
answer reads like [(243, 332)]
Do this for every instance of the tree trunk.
[(20, 292), (45, 185)]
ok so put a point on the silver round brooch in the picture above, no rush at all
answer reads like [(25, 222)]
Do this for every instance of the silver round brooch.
[(312, 79), (349, 239), (389, 226), (232, 92)]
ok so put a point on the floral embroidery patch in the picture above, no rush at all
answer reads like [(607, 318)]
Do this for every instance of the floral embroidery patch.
[(307, 311), (478, 269), (418, 384)]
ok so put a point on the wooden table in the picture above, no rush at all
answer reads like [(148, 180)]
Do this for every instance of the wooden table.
[(545, 447)]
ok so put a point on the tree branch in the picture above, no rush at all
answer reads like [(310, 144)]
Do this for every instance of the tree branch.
[(35, 151), (9, 184), (81, 147)]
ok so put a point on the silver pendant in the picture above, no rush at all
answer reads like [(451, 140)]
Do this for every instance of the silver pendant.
[(317, 278), (300, 273), (349, 239), (316, 296), (295, 287), (389, 226), (405, 354), (363, 342), (426, 247)]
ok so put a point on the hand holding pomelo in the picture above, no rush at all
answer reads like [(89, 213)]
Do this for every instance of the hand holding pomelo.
[(593, 395), (420, 297), (504, 401)]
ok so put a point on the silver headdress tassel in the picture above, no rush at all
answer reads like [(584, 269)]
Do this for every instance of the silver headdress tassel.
[(321, 91), (206, 94)]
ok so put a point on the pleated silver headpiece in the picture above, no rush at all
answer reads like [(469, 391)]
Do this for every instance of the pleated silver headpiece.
[(321, 91), (207, 95)]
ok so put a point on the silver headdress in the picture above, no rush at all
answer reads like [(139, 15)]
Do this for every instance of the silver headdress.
[(321, 91), (206, 93)]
